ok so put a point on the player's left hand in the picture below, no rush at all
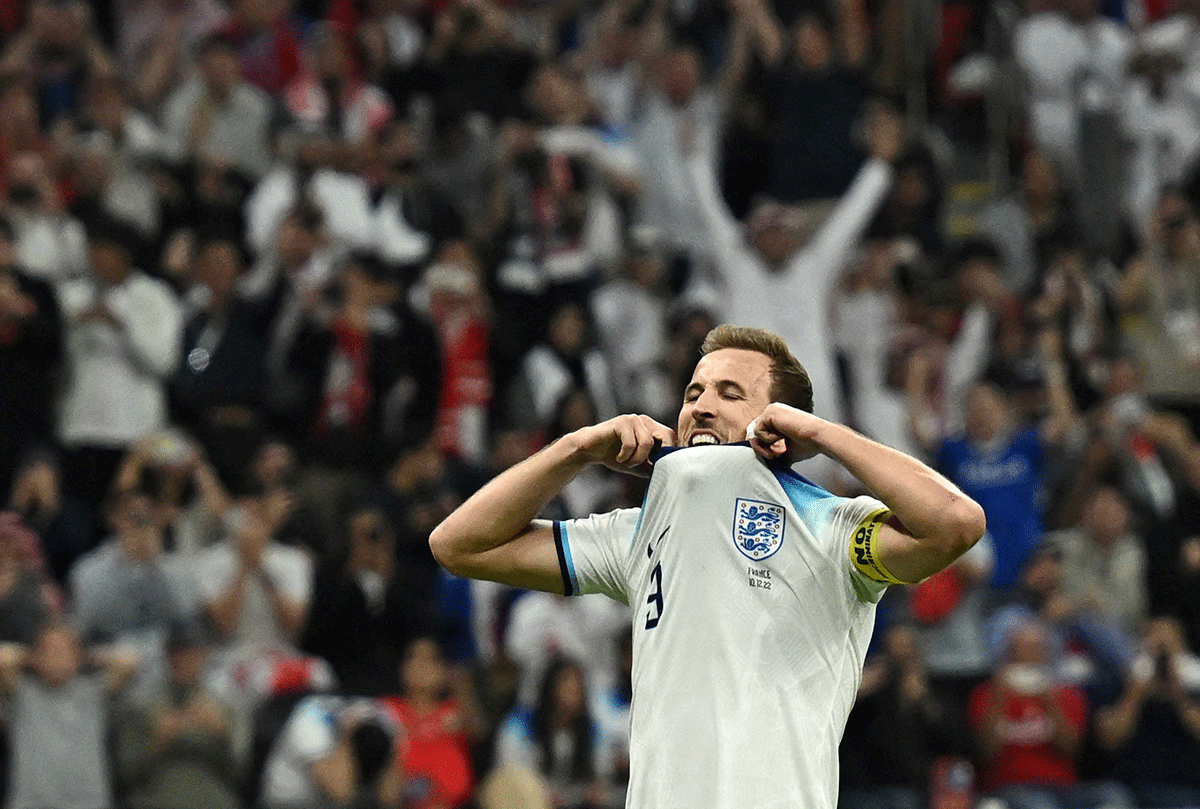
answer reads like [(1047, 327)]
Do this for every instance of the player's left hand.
[(785, 432)]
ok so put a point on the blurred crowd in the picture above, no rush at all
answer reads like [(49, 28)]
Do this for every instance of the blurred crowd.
[(283, 281)]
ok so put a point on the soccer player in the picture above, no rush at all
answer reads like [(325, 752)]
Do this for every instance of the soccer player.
[(753, 591)]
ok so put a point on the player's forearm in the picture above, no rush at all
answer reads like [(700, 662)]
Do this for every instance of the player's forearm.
[(933, 510), (503, 509)]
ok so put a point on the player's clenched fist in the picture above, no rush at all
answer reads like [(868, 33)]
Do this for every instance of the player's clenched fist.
[(623, 443), (783, 431)]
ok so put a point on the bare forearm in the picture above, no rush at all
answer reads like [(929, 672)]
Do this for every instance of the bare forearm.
[(932, 509), (289, 614), (1115, 723), (511, 500), (227, 608), (493, 536)]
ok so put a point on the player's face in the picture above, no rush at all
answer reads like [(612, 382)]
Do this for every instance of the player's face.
[(729, 389)]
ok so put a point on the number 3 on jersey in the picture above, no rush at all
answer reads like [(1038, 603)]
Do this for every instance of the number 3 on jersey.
[(654, 601)]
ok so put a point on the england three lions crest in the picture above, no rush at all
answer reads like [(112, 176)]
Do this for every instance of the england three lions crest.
[(758, 528)]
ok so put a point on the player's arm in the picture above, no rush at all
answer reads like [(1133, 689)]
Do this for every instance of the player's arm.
[(495, 534), (931, 522)]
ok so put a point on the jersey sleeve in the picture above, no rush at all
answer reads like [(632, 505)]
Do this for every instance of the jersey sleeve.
[(854, 527), (592, 552)]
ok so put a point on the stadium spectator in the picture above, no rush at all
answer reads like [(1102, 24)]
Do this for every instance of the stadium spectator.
[(866, 316), (329, 95), (1076, 293), (255, 590), (122, 336), (630, 315), (368, 390), (335, 751), (593, 489), (158, 43), (266, 40), (130, 590), (679, 115), (1159, 297), (30, 356), (58, 721), (450, 294), (1024, 222), (459, 162), (64, 524), (118, 152), (557, 738), (439, 721), (51, 244), (60, 50), (1030, 731), (411, 217), (473, 59), (1085, 647), (567, 358), (306, 170), (217, 116), (365, 608), (179, 749), (28, 599), (897, 725), (544, 626), (999, 461), (1153, 729), (216, 392), (1074, 62), (1104, 561), (816, 93), (948, 611)]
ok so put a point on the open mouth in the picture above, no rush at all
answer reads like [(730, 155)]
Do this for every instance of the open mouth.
[(702, 438)]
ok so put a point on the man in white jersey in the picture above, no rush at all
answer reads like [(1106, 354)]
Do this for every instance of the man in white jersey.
[(753, 591)]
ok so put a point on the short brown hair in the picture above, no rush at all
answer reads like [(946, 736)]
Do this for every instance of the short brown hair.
[(789, 381)]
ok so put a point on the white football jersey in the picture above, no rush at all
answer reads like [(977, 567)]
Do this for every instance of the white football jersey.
[(750, 626)]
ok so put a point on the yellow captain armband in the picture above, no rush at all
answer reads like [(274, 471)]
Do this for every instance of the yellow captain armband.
[(864, 548)]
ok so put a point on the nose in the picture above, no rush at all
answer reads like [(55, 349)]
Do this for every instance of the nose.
[(705, 405)]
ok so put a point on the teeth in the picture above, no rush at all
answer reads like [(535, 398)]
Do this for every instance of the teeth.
[(703, 438)]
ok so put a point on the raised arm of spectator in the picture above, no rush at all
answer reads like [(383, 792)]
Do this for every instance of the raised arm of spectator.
[(923, 425), (853, 32), (730, 252), (1063, 416), (834, 244), (736, 63), (765, 35)]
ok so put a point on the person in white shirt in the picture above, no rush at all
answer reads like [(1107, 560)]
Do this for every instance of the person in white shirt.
[(752, 591), (123, 331)]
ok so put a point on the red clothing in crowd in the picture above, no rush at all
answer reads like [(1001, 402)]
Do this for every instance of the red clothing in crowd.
[(1027, 755), (466, 386), (433, 753)]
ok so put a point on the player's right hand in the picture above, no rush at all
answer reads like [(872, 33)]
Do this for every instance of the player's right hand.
[(624, 443)]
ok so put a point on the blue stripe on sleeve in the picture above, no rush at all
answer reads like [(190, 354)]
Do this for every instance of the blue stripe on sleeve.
[(565, 565)]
